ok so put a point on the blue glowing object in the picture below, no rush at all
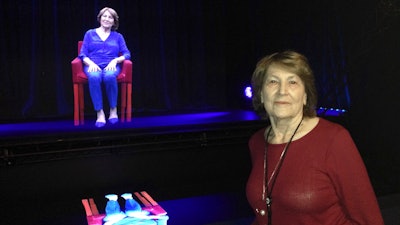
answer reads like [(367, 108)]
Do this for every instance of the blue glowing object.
[(247, 92)]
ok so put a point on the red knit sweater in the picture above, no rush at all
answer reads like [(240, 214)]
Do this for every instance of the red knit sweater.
[(323, 180)]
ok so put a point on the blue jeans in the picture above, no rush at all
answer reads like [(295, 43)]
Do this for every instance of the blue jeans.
[(95, 80)]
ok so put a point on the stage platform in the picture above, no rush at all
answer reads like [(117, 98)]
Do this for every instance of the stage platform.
[(27, 142), (143, 122)]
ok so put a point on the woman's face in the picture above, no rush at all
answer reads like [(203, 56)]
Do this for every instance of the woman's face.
[(107, 20), (283, 93)]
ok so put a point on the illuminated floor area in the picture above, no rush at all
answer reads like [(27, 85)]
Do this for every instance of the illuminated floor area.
[(232, 209), (139, 122)]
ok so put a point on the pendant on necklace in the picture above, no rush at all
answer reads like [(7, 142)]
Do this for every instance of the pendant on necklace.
[(268, 201), (261, 212)]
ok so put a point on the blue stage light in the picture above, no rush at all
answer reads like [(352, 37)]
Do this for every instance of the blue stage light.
[(324, 111), (247, 92)]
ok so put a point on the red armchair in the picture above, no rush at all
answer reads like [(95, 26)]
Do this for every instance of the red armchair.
[(79, 79)]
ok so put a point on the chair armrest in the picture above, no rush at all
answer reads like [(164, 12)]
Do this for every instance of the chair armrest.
[(126, 71), (76, 65), (77, 70)]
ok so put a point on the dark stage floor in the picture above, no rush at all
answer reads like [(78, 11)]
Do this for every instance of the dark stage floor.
[(52, 164)]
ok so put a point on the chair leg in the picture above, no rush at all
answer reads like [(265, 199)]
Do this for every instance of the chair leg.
[(123, 101), (76, 105), (129, 103), (93, 207), (81, 105), (86, 205)]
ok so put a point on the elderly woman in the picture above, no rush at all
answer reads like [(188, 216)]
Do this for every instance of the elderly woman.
[(102, 51), (306, 170)]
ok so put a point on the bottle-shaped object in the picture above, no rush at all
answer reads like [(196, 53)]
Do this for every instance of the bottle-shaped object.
[(113, 210), (132, 207)]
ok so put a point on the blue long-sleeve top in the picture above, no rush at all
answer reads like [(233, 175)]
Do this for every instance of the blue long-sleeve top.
[(102, 52)]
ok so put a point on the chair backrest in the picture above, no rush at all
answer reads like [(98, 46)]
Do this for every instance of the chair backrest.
[(79, 46)]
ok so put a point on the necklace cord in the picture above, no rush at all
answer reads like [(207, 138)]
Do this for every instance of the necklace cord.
[(275, 172)]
